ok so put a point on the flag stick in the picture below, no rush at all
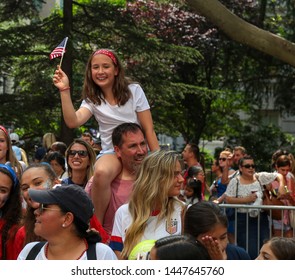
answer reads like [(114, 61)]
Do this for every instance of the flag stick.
[(63, 52)]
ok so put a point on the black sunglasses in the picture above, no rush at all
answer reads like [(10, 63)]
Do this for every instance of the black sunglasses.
[(81, 153), (249, 166), (223, 159)]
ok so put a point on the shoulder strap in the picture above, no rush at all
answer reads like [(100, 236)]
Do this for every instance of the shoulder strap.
[(35, 250), (91, 251), (237, 186)]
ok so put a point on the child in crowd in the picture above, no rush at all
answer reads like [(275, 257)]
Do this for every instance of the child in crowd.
[(112, 99)]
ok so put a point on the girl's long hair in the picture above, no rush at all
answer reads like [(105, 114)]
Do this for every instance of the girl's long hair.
[(93, 93), (11, 158), (154, 179), (11, 213), (91, 155)]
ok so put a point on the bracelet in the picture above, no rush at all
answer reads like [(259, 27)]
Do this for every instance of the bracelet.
[(63, 89)]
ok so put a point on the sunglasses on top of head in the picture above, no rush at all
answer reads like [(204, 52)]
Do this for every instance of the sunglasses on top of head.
[(81, 153)]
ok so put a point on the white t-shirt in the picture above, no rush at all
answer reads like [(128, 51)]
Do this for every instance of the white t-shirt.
[(236, 189), (103, 252), (110, 116), (154, 229)]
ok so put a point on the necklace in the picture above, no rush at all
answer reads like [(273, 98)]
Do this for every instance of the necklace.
[(86, 245)]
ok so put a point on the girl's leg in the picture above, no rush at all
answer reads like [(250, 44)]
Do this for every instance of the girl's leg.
[(107, 168)]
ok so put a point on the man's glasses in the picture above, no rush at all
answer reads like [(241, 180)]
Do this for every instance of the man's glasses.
[(80, 153), (223, 159), (43, 207), (249, 166)]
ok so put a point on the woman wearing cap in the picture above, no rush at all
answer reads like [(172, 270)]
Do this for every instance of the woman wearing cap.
[(10, 211), (39, 176), (154, 211), (63, 220)]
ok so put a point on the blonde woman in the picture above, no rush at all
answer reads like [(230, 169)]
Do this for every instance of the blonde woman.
[(41, 152), (154, 211)]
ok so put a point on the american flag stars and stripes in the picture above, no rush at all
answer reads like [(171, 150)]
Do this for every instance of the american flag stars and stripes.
[(60, 49)]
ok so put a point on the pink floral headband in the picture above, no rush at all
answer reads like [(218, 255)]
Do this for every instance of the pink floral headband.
[(107, 53), (4, 130)]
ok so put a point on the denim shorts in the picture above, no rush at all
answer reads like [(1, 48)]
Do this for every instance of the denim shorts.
[(277, 224), (107, 152)]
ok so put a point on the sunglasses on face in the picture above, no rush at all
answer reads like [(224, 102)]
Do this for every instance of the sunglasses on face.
[(223, 159), (81, 153), (249, 166), (43, 207)]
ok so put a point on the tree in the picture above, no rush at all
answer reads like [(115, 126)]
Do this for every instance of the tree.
[(95, 24), (243, 32), (194, 76)]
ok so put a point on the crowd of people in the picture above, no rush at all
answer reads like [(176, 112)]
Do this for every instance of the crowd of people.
[(127, 198)]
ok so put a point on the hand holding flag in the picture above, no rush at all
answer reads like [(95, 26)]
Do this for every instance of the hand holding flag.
[(59, 50)]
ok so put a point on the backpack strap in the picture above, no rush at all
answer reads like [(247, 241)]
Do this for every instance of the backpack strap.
[(35, 250), (91, 251)]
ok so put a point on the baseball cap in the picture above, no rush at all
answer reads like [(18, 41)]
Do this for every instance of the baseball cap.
[(14, 137), (71, 198)]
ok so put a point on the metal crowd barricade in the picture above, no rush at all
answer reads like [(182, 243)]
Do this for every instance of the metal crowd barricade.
[(267, 207)]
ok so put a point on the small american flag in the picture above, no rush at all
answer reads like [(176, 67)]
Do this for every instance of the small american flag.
[(60, 49)]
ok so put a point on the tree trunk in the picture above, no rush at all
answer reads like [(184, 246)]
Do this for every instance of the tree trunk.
[(244, 32), (67, 134)]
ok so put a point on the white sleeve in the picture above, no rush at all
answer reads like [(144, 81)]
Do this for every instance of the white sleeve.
[(141, 102), (25, 251), (104, 252), (266, 178), (88, 106), (118, 223)]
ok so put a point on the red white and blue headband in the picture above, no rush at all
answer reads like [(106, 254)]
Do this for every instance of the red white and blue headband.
[(4, 130), (107, 53), (11, 172)]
